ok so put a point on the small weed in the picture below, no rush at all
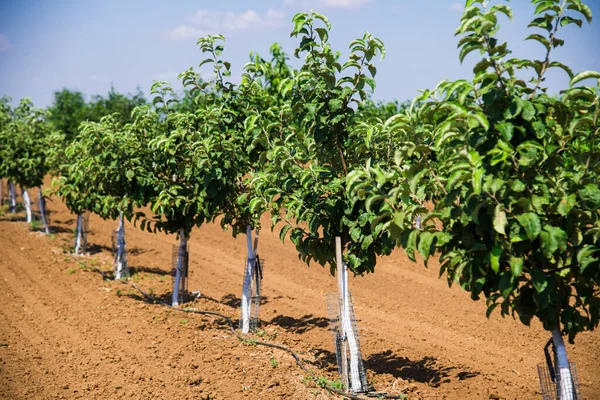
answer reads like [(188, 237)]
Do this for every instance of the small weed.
[(35, 225), (163, 278), (93, 262), (274, 363), (53, 237), (251, 342), (183, 321), (261, 333), (324, 382), (119, 294), (71, 271)]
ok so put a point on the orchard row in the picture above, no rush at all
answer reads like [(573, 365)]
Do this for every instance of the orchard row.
[(492, 174)]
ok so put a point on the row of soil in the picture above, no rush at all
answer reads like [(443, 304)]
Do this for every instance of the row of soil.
[(65, 332)]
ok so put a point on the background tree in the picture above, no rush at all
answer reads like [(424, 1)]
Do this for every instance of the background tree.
[(67, 112), (28, 144)]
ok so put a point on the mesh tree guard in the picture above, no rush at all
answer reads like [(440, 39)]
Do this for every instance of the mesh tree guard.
[(256, 273), (81, 232), (40, 211), (551, 384), (179, 272), (119, 251), (13, 197), (342, 346)]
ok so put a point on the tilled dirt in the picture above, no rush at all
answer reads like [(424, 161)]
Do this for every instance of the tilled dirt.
[(66, 333)]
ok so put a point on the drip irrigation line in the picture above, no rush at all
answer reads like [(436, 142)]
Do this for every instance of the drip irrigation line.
[(235, 333)]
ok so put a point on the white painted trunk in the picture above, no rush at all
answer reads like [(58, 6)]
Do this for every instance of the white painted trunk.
[(346, 323), (27, 202), (120, 247), (79, 235), (179, 269), (349, 332), (566, 390), (247, 286), (13, 197)]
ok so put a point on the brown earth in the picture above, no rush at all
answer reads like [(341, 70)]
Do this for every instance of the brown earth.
[(65, 333)]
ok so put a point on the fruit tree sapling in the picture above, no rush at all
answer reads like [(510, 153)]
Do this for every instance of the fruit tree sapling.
[(515, 200)]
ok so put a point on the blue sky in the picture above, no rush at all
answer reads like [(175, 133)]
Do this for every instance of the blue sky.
[(89, 45)]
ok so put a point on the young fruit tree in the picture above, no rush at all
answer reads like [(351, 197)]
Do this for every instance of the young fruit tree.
[(312, 143), (230, 106), (96, 170), (27, 150), (511, 177), (190, 166), (105, 176)]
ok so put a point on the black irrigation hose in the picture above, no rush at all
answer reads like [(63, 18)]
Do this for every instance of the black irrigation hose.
[(299, 361)]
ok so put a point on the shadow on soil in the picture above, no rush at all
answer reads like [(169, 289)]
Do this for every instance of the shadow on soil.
[(427, 370), (233, 301), (97, 248), (300, 325), (148, 270)]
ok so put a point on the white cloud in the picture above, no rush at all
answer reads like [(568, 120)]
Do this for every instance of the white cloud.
[(323, 4), (5, 43), (458, 7), (184, 31), (204, 22)]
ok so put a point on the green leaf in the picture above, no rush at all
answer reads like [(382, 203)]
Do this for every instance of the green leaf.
[(553, 239), (583, 76), (468, 48), (477, 179), (566, 20), (284, 232), (425, 242), (531, 223), (516, 266), (590, 194), (585, 257), (539, 279), (539, 38), (556, 64), (495, 256), (566, 204), (506, 130), (500, 220), (409, 243)]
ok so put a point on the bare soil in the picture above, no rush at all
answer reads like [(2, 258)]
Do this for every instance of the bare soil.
[(66, 333)]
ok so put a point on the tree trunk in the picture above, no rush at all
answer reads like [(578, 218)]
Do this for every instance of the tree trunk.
[(179, 269), (79, 235), (354, 384), (564, 380), (13, 197), (247, 286), (42, 201), (27, 202), (121, 267)]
